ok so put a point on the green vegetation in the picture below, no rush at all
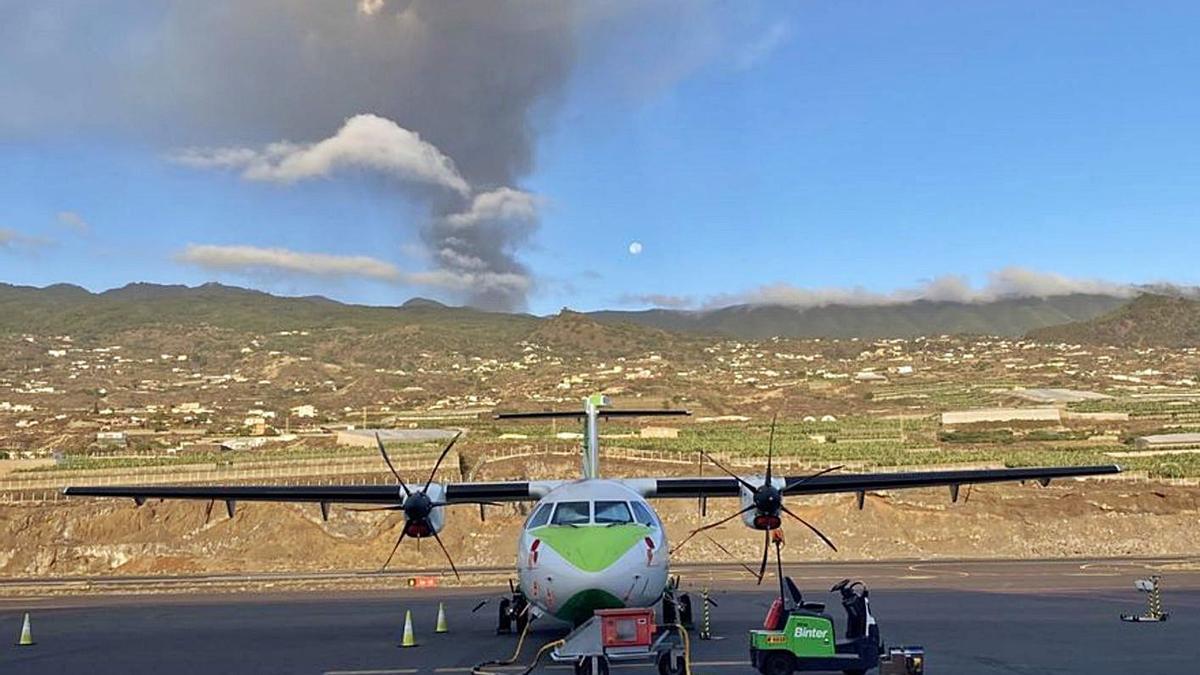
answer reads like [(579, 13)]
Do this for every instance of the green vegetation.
[(69, 309), (977, 436), (1148, 320), (239, 458), (1144, 408), (1003, 317)]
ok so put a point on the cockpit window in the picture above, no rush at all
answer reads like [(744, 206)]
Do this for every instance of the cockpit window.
[(608, 513), (643, 514), (572, 513), (540, 517)]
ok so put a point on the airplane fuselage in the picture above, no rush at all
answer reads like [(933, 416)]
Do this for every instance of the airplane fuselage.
[(591, 544)]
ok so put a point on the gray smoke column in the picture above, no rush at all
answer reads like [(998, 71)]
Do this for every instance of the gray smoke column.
[(473, 79)]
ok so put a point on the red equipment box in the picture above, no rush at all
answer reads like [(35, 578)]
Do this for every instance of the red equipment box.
[(626, 627)]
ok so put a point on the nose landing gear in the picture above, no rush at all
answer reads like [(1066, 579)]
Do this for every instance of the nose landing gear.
[(514, 610)]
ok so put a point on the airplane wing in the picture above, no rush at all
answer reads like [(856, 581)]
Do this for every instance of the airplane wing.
[(864, 482), (456, 493)]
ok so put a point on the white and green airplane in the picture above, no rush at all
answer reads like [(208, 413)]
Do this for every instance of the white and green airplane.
[(590, 543)]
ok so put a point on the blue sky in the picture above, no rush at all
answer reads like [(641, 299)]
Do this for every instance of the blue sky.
[(789, 146)]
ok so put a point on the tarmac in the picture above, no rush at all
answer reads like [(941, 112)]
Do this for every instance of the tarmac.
[(971, 617)]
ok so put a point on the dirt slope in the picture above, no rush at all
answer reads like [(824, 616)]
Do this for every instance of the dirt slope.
[(1090, 518)]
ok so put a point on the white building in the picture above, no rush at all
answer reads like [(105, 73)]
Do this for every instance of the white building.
[(304, 411)]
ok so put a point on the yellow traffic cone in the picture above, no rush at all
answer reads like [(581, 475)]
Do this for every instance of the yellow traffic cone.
[(441, 620), (26, 634), (408, 640)]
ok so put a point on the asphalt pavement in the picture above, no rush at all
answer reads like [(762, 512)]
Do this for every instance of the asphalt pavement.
[(1009, 628)]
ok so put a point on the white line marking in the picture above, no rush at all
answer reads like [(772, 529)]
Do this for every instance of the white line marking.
[(397, 671), (615, 666)]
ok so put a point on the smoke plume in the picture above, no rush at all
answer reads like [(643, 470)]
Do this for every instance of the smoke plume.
[(455, 90)]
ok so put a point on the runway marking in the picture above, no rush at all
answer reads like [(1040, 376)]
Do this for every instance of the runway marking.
[(395, 671), (615, 666)]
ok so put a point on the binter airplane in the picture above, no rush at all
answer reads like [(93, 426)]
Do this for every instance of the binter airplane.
[(590, 543)]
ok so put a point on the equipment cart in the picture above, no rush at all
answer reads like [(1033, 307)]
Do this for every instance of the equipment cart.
[(623, 635), (800, 636)]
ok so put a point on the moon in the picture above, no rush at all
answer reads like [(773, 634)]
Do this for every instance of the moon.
[(635, 248)]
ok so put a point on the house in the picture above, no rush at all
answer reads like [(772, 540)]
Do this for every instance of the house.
[(112, 438), (306, 410), (870, 376)]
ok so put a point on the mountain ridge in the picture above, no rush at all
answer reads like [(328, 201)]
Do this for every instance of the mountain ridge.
[(1149, 320), (65, 308)]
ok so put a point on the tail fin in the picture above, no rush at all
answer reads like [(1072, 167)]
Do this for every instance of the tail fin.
[(594, 408), (591, 434)]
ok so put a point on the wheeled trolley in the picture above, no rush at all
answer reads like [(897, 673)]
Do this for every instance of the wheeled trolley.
[(623, 635)]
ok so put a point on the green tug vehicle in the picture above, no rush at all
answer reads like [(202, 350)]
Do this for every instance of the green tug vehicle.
[(800, 636)]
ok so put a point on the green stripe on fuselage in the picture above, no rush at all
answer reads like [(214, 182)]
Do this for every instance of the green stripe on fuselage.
[(579, 607), (591, 548)]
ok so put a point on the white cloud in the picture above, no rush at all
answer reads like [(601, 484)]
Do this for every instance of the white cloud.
[(12, 241), (364, 141), (472, 236), (662, 300), (252, 259), (1009, 282), (370, 7), (73, 221), (499, 205), (1006, 283), (1022, 282), (765, 44)]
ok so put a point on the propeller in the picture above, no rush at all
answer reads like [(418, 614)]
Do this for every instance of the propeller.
[(766, 504), (417, 506)]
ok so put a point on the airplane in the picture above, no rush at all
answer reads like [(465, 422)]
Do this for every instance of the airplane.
[(590, 543)]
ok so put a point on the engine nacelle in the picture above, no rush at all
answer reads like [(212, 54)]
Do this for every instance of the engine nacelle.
[(424, 519), (754, 518)]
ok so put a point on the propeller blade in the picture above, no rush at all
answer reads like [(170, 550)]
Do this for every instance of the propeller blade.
[(366, 509), (731, 555), (709, 527), (394, 549), (811, 527), (447, 554), (762, 568), (771, 447), (804, 480), (745, 483), (439, 462), (383, 451)]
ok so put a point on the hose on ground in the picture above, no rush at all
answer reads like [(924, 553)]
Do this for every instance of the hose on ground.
[(480, 668)]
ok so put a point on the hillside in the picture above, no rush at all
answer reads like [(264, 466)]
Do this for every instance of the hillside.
[(66, 309), (1148, 320), (72, 310), (1009, 317)]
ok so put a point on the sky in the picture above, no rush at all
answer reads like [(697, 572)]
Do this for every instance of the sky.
[(535, 155)]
